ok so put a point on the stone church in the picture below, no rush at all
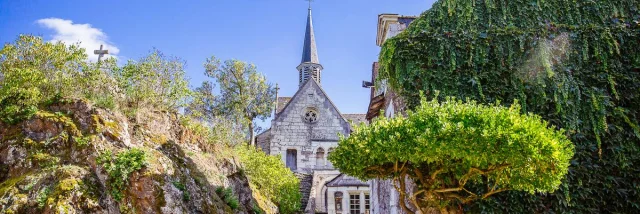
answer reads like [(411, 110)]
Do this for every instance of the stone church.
[(305, 130)]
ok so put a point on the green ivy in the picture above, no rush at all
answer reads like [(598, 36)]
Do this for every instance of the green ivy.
[(575, 63)]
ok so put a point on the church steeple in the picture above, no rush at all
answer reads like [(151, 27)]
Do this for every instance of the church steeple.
[(310, 65)]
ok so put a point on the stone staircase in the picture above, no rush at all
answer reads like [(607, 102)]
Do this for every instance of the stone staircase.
[(306, 181)]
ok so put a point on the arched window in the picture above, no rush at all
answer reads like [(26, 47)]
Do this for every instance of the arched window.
[(338, 201), (320, 158)]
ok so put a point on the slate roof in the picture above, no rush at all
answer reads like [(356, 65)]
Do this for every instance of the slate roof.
[(282, 102), (356, 118), (309, 51), (343, 180), (264, 132)]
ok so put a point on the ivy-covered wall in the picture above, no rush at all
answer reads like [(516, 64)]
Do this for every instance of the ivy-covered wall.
[(574, 62)]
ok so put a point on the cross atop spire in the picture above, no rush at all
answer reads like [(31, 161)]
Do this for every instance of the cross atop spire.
[(309, 3)]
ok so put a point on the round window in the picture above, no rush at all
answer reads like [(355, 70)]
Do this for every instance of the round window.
[(311, 116)]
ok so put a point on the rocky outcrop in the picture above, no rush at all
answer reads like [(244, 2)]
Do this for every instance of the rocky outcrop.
[(51, 164)]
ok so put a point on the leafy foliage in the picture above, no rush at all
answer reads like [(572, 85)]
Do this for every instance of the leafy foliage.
[(155, 81), (35, 74), (185, 193), (217, 131), (244, 93), (228, 197), (574, 63), (442, 146), (271, 177), (120, 167), (203, 106), (32, 71)]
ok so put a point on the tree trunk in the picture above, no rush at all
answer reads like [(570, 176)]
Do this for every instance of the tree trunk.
[(450, 210), (252, 139)]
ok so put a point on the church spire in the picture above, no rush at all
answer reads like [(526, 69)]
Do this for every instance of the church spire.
[(309, 51), (309, 65)]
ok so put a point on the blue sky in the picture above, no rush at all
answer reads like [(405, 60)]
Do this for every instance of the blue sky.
[(268, 33)]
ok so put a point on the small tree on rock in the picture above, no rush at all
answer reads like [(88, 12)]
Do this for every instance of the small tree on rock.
[(33, 71), (244, 93), (450, 148)]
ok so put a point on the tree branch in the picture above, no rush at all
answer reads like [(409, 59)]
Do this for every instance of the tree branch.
[(401, 192), (486, 195)]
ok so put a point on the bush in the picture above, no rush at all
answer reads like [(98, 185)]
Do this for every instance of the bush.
[(185, 193), (155, 81), (120, 167), (217, 131), (445, 147), (33, 71), (271, 177), (228, 197)]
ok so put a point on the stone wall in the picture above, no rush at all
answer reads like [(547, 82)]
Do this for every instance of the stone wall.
[(263, 141), (317, 194)]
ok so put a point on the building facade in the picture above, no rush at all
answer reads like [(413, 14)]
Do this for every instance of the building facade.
[(305, 130), (384, 197)]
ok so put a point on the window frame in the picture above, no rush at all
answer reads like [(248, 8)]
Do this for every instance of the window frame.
[(354, 204)]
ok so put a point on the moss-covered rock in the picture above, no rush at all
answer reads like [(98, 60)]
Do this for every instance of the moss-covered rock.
[(52, 163)]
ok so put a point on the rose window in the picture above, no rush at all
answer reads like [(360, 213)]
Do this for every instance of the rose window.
[(311, 116)]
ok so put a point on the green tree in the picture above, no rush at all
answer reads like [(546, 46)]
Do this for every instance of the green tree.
[(244, 93), (448, 147), (33, 71), (154, 81), (203, 103)]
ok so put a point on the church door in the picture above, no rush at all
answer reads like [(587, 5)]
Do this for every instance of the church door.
[(292, 157)]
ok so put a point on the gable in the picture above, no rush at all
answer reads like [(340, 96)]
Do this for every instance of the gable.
[(343, 180), (311, 96)]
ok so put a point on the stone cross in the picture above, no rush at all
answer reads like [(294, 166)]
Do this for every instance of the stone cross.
[(275, 110), (100, 53)]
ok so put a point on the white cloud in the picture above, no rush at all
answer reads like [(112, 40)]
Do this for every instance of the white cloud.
[(90, 38)]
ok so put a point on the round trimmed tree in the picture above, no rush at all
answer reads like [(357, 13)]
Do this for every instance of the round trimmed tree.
[(457, 152)]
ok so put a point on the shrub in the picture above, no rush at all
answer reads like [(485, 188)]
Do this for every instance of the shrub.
[(32, 71), (271, 177), (185, 194), (120, 167), (445, 147), (228, 197), (155, 81)]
